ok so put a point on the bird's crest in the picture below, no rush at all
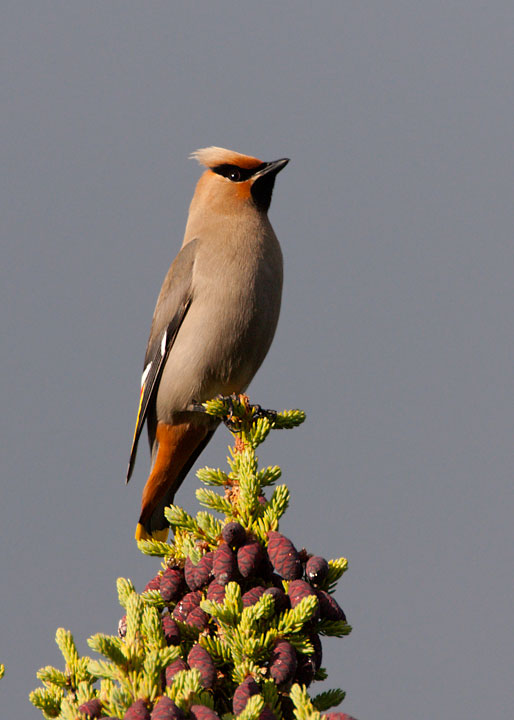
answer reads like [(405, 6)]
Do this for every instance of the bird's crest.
[(213, 156)]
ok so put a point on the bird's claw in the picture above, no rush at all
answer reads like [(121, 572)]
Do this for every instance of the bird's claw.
[(232, 420), (259, 412)]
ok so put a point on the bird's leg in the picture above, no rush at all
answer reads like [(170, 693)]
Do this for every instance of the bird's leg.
[(196, 407)]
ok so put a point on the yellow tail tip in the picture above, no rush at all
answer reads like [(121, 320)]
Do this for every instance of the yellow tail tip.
[(142, 534)]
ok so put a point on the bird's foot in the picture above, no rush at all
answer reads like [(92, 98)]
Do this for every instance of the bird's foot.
[(236, 410), (240, 409), (259, 412)]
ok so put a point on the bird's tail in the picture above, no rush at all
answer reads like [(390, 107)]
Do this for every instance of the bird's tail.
[(179, 446)]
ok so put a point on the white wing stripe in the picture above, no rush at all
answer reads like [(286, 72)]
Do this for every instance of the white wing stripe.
[(145, 373)]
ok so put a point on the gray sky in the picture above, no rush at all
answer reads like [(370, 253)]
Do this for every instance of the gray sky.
[(396, 336)]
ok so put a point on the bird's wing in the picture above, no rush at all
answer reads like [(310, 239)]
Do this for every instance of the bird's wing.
[(172, 306)]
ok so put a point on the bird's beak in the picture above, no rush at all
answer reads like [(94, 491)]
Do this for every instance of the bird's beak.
[(271, 168)]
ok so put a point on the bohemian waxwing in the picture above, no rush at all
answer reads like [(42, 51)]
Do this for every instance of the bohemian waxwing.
[(213, 323)]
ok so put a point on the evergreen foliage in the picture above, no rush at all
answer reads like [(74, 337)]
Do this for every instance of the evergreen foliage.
[(230, 626)]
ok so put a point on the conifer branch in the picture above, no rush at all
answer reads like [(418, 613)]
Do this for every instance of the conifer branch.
[(230, 626)]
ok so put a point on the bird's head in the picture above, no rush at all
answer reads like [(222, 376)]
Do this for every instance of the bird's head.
[(233, 180)]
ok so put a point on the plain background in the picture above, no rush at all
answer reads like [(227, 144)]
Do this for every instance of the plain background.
[(396, 336)]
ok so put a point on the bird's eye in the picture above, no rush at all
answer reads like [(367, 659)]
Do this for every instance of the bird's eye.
[(233, 173)]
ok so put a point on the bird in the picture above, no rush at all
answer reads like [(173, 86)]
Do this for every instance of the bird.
[(213, 322)]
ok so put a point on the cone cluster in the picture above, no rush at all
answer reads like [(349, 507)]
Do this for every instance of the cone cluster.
[(232, 624)]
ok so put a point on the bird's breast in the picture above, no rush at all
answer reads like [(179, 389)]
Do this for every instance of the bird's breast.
[(229, 326)]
